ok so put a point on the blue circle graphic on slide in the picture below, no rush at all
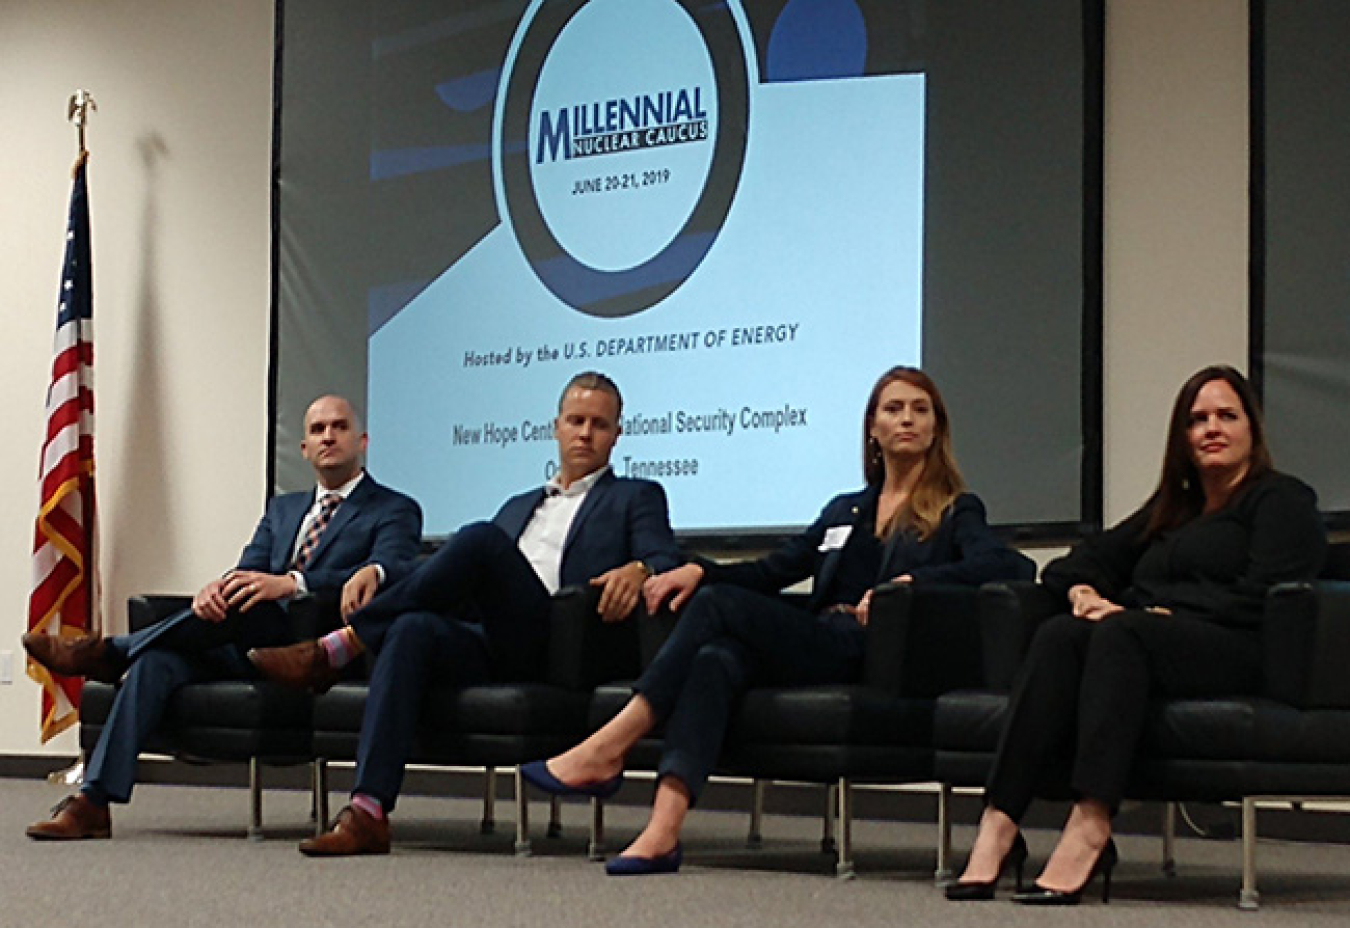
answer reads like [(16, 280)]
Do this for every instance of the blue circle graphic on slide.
[(614, 209), (620, 145)]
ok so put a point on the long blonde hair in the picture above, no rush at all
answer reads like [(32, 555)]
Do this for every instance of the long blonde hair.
[(940, 482)]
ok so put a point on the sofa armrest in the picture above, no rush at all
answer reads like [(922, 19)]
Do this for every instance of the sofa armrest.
[(1305, 644), (653, 630), (1010, 613), (146, 610), (309, 616), (885, 637), (583, 650), (313, 616), (922, 641)]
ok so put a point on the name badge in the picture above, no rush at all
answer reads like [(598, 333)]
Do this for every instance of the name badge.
[(835, 536)]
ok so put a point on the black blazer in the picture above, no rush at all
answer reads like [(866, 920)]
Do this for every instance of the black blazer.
[(1217, 566), (963, 550)]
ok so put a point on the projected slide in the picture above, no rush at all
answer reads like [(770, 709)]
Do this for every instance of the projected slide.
[(728, 224)]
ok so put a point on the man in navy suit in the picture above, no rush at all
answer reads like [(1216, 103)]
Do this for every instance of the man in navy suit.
[(478, 609), (349, 535)]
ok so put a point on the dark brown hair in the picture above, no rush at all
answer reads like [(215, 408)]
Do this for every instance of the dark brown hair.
[(940, 483), (1179, 497)]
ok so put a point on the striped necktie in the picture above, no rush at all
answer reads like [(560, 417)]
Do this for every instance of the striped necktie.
[(329, 506)]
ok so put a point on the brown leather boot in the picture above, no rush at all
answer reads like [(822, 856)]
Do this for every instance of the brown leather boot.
[(354, 832), (303, 666), (73, 819), (88, 656)]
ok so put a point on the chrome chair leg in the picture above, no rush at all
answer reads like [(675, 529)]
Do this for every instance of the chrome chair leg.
[(319, 804), (254, 800), (1169, 839), (554, 817), (754, 839), (1249, 899), (522, 818), (942, 875), (843, 867), (488, 825), (595, 848), (827, 842)]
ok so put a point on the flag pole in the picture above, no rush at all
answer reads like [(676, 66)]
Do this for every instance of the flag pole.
[(77, 112), (84, 551)]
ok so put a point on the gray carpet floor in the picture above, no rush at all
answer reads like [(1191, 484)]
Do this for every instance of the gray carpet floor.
[(179, 857)]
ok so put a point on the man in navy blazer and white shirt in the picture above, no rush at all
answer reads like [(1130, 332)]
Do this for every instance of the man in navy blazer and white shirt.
[(349, 535), (478, 610)]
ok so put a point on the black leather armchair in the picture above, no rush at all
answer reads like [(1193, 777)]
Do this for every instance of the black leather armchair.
[(919, 645), (499, 725), (1290, 741), (255, 722)]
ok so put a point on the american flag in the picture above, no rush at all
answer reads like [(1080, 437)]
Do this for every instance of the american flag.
[(64, 599)]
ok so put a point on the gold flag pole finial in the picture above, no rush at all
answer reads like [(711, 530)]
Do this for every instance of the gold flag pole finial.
[(77, 111)]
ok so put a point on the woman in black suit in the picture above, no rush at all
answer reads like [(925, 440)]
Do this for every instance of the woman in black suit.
[(913, 523), (1168, 603)]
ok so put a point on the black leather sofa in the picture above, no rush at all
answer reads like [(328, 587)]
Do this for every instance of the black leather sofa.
[(262, 723), (918, 646), (1291, 741), (879, 731)]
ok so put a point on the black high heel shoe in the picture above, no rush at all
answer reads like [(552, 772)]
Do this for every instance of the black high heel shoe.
[(1015, 859), (1105, 863)]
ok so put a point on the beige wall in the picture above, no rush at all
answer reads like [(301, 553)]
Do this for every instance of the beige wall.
[(1176, 219), (179, 189), (180, 195)]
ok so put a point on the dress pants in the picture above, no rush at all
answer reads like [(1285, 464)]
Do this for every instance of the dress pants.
[(1081, 696), (727, 640), (478, 575), (164, 658), (421, 632)]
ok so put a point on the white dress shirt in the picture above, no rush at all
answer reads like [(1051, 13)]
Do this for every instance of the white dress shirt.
[(545, 534)]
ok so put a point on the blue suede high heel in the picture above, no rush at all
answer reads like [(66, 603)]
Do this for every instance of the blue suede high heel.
[(536, 773), (646, 866)]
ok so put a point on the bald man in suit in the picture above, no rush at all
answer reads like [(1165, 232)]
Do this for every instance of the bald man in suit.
[(348, 536)]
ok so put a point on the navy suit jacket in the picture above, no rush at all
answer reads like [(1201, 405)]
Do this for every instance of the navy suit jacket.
[(620, 520), (374, 525), (963, 550)]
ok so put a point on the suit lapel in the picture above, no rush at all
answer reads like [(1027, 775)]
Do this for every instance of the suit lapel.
[(587, 507), (519, 512), (349, 509), (897, 551), (830, 564), (292, 513)]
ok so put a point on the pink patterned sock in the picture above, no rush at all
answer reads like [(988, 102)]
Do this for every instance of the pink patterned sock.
[(369, 805), (338, 646)]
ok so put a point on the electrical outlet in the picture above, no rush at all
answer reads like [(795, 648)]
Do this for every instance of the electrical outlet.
[(6, 666)]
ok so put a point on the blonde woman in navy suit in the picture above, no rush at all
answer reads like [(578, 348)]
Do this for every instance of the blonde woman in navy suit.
[(913, 522)]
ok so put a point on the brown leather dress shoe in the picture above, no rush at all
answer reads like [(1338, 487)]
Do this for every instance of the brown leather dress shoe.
[(73, 819), (303, 666), (354, 832), (88, 656)]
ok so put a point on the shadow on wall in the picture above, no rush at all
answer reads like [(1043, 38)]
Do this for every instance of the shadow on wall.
[(143, 500)]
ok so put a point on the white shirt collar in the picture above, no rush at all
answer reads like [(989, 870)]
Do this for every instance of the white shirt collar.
[(344, 491), (579, 487)]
